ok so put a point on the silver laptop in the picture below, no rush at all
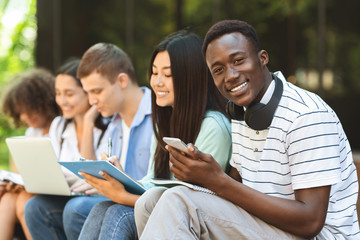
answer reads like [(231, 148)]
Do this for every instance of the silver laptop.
[(37, 163)]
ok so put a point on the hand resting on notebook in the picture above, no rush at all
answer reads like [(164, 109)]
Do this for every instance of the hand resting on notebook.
[(110, 187)]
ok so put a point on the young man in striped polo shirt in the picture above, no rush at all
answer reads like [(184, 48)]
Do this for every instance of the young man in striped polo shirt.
[(292, 174)]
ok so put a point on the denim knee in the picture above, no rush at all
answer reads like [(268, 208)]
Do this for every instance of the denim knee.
[(75, 213), (43, 216), (119, 223), (72, 207), (32, 209)]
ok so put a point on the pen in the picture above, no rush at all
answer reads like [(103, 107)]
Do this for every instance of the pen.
[(109, 147)]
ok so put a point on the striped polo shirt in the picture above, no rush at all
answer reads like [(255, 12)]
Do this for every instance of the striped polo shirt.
[(304, 147)]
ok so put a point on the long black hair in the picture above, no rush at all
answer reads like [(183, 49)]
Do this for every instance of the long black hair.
[(194, 94)]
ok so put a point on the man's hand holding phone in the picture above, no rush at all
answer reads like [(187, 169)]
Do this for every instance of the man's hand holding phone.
[(193, 167), (176, 143)]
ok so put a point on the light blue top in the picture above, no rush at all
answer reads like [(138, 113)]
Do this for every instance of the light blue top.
[(214, 138), (138, 153)]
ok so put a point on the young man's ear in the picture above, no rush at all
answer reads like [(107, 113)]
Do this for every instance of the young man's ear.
[(123, 80), (263, 57)]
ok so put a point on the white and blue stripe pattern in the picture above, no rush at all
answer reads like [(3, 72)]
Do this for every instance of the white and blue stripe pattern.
[(304, 147)]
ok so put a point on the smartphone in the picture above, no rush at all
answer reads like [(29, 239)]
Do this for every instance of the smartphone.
[(176, 143)]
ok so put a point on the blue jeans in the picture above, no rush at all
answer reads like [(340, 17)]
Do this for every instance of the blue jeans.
[(43, 216), (58, 217), (109, 220), (75, 213)]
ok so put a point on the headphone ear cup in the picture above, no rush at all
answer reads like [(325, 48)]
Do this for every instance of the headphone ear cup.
[(234, 111)]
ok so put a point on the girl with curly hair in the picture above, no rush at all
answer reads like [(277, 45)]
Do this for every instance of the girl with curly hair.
[(30, 101)]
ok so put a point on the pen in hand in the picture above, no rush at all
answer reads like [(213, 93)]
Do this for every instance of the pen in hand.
[(112, 159), (109, 147)]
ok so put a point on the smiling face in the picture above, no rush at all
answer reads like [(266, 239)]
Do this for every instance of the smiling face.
[(70, 97), (107, 96), (161, 80), (239, 71)]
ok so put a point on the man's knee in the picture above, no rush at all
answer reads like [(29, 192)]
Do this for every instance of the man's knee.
[(146, 203), (177, 193)]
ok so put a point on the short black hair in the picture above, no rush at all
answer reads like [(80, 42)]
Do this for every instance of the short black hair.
[(230, 26)]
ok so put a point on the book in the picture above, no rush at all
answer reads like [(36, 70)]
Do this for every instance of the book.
[(93, 168), (172, 183), (6, 176)]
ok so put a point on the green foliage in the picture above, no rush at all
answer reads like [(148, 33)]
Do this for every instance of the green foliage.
[(16, 58), (19, 56)]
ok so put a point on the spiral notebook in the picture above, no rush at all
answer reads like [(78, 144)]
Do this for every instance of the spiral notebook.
[(172, 183)]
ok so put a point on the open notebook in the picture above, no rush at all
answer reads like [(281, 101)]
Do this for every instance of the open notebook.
[(6, 176), (37, 164), (173, 183)]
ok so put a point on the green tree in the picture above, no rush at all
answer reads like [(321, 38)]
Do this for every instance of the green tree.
[(16, 55)]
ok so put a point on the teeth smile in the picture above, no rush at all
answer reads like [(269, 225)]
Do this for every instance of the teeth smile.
[(238, 87), (162, 93)]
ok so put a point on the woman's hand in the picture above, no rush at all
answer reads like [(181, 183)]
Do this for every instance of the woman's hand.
[(87, 150), (13, 187), (2, 189), (91, 115), (111, 188)]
